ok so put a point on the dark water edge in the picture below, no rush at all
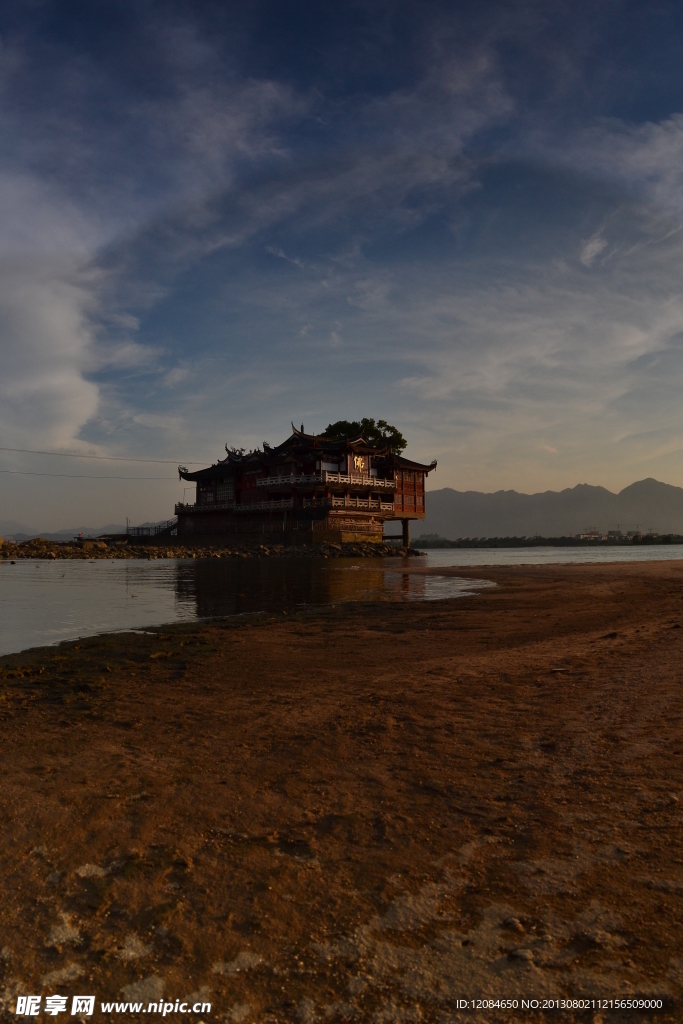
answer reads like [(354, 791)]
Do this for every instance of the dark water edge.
[(45, 602)]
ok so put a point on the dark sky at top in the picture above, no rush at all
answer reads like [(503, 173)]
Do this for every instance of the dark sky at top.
[(218, 217)]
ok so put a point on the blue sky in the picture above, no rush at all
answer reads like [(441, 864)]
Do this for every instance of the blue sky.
[(215, 218)]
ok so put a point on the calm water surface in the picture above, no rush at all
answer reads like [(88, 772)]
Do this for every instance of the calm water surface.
[(548, 556), (45, 602)]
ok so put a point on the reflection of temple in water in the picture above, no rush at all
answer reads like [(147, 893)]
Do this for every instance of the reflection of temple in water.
[(218, 587), (237, 586)]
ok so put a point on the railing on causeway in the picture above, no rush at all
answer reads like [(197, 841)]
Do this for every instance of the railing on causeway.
[(152, 531)]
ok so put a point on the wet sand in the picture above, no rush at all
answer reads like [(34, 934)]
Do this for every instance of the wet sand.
[(362, 813)]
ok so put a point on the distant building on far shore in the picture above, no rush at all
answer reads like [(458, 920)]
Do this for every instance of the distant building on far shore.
[(309, 489)]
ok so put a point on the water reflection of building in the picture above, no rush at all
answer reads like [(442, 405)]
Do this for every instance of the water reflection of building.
[(308, 489), (219, 587)]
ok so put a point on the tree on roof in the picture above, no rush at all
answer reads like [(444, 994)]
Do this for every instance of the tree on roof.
[(379, 433)]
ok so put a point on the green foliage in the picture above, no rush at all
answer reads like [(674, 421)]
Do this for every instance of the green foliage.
[(379, 433)]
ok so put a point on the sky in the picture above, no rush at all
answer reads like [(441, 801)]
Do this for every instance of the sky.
[(217, 218)]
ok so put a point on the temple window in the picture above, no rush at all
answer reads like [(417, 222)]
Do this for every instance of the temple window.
[(225, 491)]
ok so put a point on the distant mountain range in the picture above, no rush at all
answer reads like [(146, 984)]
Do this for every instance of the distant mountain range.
[(646, 505)]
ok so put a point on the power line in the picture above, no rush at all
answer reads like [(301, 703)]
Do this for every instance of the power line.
[(84, 476), (106, 458)]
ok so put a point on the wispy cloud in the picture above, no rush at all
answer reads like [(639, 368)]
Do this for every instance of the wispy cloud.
[(158, 422), (283, 256), (68, 196), (591, 249), (645, 159), (176, 376)]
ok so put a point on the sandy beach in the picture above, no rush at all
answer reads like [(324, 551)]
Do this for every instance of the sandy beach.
[(371, 812)]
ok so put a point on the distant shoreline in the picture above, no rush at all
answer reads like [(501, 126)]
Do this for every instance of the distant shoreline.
[(435, 543)]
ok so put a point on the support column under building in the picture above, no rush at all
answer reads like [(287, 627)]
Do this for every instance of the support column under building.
[(406, 532)]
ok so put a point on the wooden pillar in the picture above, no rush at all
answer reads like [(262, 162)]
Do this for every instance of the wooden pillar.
[(406, 533)]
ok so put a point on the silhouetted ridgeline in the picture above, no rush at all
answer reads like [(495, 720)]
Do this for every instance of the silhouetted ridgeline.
[(645, 506)]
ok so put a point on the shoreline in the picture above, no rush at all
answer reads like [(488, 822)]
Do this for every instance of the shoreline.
[(467, 543), (95, 549), (360, 809)]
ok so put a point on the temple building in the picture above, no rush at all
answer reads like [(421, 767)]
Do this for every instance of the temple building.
[(306, 490)]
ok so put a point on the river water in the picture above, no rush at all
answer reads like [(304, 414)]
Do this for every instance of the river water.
[(443, 557), (45, 602)]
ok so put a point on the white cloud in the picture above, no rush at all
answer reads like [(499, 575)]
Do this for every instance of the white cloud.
[(283, 256), (175, 376), (45, 338), (645, 159), (591, 249), (55, 225)]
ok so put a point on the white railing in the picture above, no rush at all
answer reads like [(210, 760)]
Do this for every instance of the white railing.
[(374, 482), (254, 506), (365, 503), (378, 506)]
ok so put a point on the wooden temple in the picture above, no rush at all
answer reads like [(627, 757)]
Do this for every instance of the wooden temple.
[(306, 490)]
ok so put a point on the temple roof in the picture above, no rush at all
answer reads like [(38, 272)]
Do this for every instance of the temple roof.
[(300, 446)]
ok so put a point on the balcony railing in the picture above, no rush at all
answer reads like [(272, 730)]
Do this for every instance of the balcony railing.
[(311, 479), (230, 506), (364, 503), (373, 482)]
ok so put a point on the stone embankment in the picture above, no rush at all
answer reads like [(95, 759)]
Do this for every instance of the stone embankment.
[(87, 550)]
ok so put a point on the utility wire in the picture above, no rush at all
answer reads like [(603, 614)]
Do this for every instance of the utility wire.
[(84, 476), (107, 458)]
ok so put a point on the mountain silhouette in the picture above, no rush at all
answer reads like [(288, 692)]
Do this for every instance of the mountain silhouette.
[(647, 505)]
